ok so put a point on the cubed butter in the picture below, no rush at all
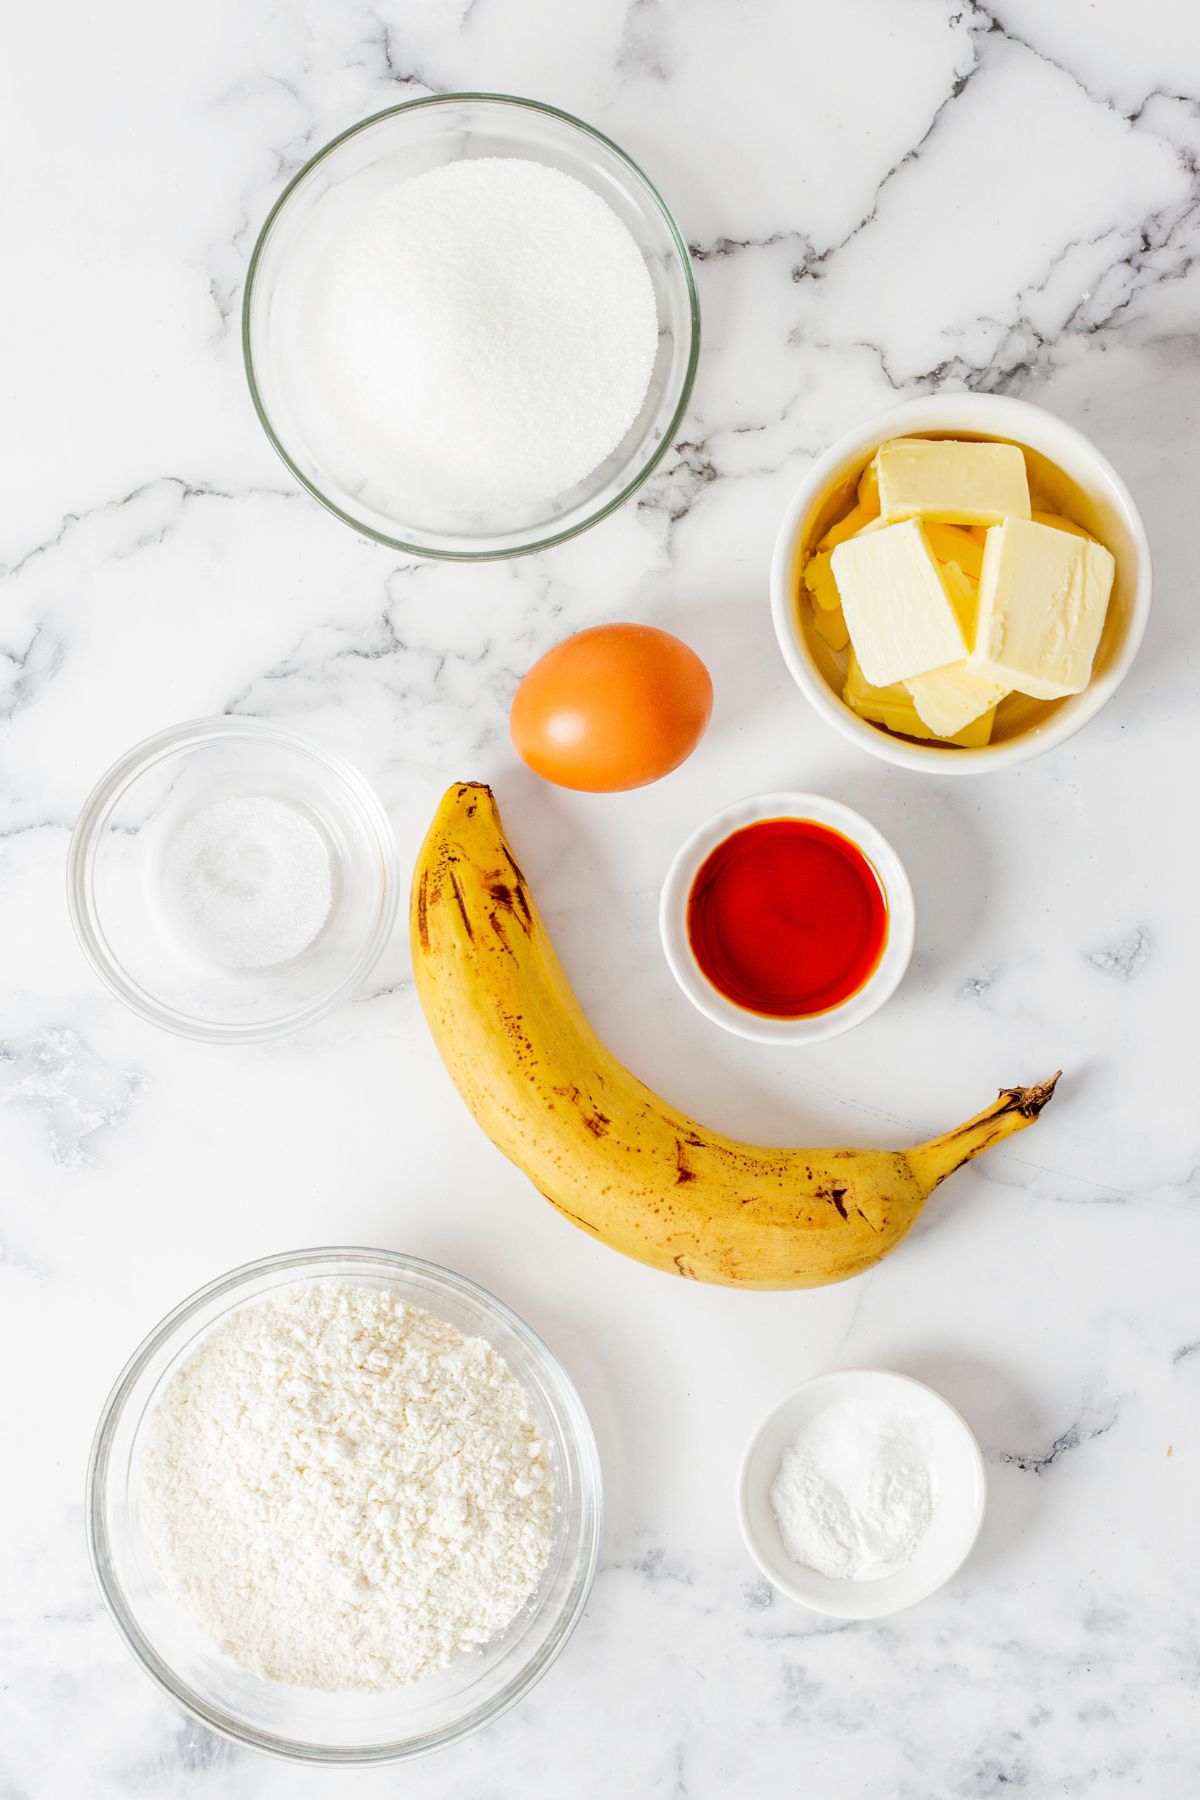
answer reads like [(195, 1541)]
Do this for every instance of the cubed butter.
[(893, 707), (952, 697), (830, 622), (901, 616), (1043, 595), (964, 598), (858, 516), (818, 579), (950, 482), (1059, 523), (951, 543)]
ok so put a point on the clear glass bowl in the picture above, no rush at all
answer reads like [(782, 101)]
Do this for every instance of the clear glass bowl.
[(386, 148), (352, 1728), (116, 894)]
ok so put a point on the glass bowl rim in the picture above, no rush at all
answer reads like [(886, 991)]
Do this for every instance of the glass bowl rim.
[(640, 474), (307, 1263), (81, 858)]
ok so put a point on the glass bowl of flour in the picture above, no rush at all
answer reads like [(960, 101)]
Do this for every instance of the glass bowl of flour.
[(344, 1506), (470, 326), (232, 881)]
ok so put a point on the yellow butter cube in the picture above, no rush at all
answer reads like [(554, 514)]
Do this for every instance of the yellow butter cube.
[(951, 543), (976, 734), (830, 621), (868, 488), (964, 598), (892, 706), (951, 482), (818, 579), (1043, 597), (855, 519), (950, 698), (1057, 522), (902, 617)]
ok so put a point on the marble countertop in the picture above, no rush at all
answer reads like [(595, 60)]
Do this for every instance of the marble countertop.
[(883, 197)]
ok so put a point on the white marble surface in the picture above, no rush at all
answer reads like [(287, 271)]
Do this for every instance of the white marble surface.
[(885, 196)]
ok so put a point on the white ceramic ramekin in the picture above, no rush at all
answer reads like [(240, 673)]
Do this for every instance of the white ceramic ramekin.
[(878, 988), (959, 1496), (1068, 468)]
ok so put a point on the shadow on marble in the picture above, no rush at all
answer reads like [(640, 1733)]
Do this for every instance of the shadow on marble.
[(997, 1409), (1146, 425), (950, 861)]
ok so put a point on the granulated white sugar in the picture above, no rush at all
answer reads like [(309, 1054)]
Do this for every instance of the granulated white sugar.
[(344, 1491), (247, 881), (483, 335)]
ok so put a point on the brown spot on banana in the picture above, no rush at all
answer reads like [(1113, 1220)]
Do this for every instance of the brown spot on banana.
[(837, 1197), (462, 906), (422, 910), (513, 902), (496, 926), (513, 864), (576, 1218)]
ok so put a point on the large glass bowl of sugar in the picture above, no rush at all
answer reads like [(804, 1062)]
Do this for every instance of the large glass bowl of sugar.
[(380, 275)]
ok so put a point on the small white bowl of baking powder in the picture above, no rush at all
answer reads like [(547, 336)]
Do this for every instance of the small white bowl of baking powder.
[(861, 1493)]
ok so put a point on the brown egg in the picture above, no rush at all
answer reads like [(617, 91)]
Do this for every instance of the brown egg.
[(613, 707)]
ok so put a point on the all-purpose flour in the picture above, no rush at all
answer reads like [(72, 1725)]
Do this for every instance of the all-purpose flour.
[(854, 1492), (344, 1491)]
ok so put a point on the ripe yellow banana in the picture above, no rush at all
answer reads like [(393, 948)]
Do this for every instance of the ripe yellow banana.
[(603, 1149)]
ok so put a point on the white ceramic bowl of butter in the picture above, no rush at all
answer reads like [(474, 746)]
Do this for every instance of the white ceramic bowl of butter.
[(1070, 472)]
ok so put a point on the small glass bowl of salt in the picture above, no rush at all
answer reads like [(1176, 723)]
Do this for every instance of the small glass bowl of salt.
[(232, 881)]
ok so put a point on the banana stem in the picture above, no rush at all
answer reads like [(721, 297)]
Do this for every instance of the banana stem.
[(1013, 1110)]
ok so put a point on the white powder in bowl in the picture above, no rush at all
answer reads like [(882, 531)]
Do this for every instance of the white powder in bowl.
[(482, 334), (344, 1491), (854, 1493), (248, 881)]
